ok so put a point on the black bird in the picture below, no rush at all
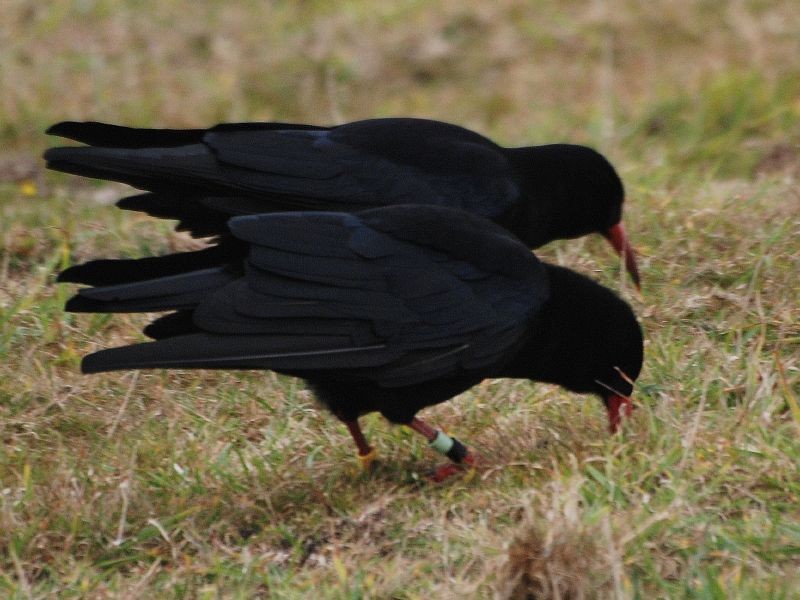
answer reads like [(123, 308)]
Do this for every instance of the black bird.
[(390, 310), (202, 177)]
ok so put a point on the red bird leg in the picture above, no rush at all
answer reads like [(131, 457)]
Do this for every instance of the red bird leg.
[(444, 444), (366, 453), (615, 405)]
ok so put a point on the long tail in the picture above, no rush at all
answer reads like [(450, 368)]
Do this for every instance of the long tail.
[(106, 272), (173, 292), (183, 173), (202, 216), (213, 351), (288, 345), (155, 169), (118, 136)]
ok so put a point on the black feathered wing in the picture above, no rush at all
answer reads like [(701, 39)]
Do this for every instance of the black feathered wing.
[(252, 168), (104, 135), (371, 296), (372, 163)]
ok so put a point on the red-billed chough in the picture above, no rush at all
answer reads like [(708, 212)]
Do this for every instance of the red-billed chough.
[(202, 177), (391, 310)]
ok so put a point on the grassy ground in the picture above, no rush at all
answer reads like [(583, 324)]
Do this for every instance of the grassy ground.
[(233, 485)]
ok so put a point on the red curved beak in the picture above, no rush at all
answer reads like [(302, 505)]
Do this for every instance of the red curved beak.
[(619, 240), (616, 405)]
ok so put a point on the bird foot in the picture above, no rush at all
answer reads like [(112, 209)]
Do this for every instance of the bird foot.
[(468, 467), (368, 460), (444, 472)]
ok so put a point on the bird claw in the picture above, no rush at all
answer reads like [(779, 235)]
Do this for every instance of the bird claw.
[(470, 474), (443, 472), (368, 460)]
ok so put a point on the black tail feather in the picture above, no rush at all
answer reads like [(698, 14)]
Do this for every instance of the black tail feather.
[(177, 323), (181, 291), (202, 216), (117, 136), (161, 207), (191, 212), (116, 271), (154, 169), (290, 354)]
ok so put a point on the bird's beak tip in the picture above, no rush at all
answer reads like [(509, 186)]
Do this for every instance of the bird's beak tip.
[(617, 407), (618, 238)]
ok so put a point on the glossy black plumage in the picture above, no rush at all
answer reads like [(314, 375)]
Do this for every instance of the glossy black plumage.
[(392, 309), (203, 177)]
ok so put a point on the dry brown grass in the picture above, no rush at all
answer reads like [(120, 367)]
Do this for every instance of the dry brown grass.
[(516, 68), (560, 556)]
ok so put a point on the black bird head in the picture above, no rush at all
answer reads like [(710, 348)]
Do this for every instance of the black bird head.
[(575, 191), (585, 339)]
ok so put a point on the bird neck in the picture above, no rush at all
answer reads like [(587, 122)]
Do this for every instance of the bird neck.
[(531, 219), (583, 337), (548, 353)]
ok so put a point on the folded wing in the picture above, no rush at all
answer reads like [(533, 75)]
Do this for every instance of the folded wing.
[(396, 295), (203, 177)]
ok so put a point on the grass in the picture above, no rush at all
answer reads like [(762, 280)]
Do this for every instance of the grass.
[(234, 485)]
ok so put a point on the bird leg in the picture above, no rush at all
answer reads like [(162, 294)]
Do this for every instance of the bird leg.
[(616, 406), (444, 444), (366, 453)]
